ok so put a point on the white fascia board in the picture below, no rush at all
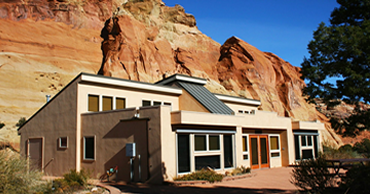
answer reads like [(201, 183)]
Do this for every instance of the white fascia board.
[(183, 78), (238, 100), (130, 84)]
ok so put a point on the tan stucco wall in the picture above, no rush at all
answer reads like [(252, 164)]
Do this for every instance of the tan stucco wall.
[(56, 119), (112, 134), (168, 148), (236, 107), (189, 103)]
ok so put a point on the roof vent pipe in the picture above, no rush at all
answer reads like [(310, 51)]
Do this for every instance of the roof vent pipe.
[(48, 98)]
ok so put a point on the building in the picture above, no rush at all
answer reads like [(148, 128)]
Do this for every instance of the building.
[(172, 127)]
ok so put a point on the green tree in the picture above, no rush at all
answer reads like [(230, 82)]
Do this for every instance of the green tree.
[(21, 122), (341, 51)]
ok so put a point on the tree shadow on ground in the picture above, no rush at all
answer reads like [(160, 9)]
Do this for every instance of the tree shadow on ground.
[(166, 189)]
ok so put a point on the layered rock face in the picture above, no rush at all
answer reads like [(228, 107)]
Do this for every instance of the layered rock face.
[(44, 47)]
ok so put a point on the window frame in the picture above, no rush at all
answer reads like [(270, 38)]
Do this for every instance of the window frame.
[(274, 151), (88, 102), (247, 146), (115, 102), (207, 150), (60, 142), (84, 148), (102, 102), (306, 147)]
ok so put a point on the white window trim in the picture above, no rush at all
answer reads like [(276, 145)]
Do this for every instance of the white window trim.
[(84, 148), (301, 148), (115, 101), (205, 152), (60, 143), (275, 151), (99, 101), (245, 152)]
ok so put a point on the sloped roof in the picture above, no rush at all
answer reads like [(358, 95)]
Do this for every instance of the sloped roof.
[(206, 98)]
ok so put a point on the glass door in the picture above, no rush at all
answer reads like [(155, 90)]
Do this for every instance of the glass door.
[(259, 151)]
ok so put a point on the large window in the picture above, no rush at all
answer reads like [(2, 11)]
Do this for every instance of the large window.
[(306, 146), (89, 148), (245, 147), (274, 146), (93, 103), (196, 151)]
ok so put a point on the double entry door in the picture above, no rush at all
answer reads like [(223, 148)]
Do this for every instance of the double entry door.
[(259, 151)]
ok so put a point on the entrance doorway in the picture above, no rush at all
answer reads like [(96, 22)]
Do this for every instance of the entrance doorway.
[(259, 151), (35, 153)]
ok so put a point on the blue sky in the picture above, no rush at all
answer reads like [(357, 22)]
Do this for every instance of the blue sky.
[(283, 27)]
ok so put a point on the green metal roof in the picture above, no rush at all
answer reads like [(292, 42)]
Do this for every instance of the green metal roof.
[(206, 98)]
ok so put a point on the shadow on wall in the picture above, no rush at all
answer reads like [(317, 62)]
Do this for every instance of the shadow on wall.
[(128, 131)]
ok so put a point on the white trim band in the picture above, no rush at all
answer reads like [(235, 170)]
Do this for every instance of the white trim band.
[(205, 131)]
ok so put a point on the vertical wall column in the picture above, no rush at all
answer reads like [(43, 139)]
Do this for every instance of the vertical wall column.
[(238, 146)]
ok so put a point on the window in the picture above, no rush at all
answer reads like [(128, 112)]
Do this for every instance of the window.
[(147, 103), (245, 147), (214, 142), (198, 150), (156, 103), (183, 153), (200, 143), (274, 146), (63, 142), (207, 142), (306, 146), (207, 161), (93, 103), (228, 151), (240, 111), (107, 103), (167, 103), (120, 103), (89, 148)]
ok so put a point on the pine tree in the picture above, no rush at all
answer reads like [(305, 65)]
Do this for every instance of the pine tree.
[(341, 51)]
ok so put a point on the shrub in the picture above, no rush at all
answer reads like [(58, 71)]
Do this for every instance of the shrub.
[(363, 147), (71, 181), (313, 175), (239, 171), (345, 151), (203, 174), (1, 125), (15, 176), (357, 179)]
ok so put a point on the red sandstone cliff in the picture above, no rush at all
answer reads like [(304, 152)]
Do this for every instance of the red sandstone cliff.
[(46, 43)]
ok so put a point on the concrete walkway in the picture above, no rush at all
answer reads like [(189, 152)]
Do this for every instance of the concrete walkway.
[(275, 180)]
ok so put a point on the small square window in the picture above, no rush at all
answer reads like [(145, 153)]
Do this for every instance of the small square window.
[(200, 143), (245, 157), (93, 103), (157, 103), (107, 103), (147, 103), (120, 103), (214, 142), (63, 142)]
